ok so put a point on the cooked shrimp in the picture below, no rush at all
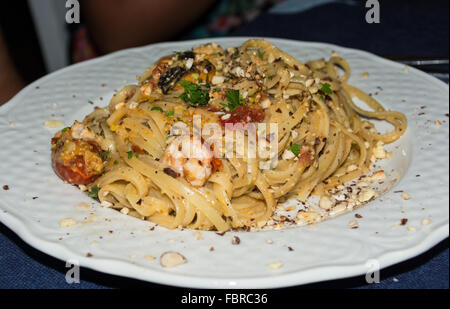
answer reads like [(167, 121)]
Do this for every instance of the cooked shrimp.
[(189, 159)]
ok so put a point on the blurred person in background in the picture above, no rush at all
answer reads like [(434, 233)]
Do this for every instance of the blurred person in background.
[(111, 25), (10, 80)]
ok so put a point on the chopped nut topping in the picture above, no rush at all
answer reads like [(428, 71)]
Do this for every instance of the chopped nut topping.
[(287, 155), (235, 240), (67, 222), (275, 265), (366, 195), (149, 257), (377, 176), (216, 80), (325, 203), (198, 235), (379, 152), (338, 209), (309, 83), (353, 224), (405, 196), (106, 204), (53, 124), (172, 259), (426, 221)]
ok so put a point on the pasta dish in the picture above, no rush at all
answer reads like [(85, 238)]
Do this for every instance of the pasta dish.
[(215, 139)]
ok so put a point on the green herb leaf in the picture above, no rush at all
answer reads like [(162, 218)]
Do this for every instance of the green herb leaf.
[(326, 89), (295, 149), (65, 129), (271, 76), (90, 102), (236, 52), (116, 162), (105, 155), (130, 154), (194, 94), (261, 53), (170, 113), (94, 192), (157, 108), (235, 99), (137, 154)]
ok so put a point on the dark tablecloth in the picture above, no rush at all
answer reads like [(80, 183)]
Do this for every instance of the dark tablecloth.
[(407, 28)]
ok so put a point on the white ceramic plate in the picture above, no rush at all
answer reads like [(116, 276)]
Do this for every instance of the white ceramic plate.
[(119, 244)]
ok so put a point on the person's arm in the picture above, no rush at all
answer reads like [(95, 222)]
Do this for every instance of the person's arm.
[(10, 80), (118, 24)]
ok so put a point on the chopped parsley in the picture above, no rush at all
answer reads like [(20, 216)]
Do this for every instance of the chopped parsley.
[(157, 108), (116, 162), (234, 98), (65, 129), (271, 76), (94, 192), (236, 52), (261, 53), (194, 94), (326, 89), (90, 102), (170, 113), (131, 153), (295, 149), (105, 155), (181, 54)]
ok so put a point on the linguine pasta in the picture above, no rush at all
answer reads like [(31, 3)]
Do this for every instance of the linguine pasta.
[(131, 155)]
